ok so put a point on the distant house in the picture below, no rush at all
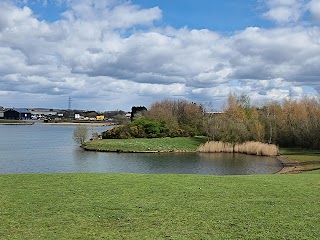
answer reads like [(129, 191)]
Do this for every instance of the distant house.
[(1, 114), (17, 114), (42, 113), (77, 116)]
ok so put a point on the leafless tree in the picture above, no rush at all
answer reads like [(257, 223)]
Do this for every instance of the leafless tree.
[(80, 134)]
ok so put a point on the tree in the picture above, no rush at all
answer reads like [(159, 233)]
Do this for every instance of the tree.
[(238, 123), (180, 116), (162, 112), (271, 117), (234, 131), (80, 134)]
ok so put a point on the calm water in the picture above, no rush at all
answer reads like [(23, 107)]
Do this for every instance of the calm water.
[(43, 148)]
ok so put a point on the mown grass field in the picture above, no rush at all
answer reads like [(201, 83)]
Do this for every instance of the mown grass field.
[(132, 206), (146, 144)]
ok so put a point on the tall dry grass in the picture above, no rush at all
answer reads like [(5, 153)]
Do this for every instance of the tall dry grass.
[(253, 148)]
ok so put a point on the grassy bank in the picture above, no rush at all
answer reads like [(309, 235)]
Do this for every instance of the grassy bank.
[(300, 160), (146, 144), (14, 122), (127, 206)]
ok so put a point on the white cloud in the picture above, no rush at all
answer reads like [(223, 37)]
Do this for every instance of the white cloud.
[(11, 16), (291, 11), (111, 14), (285, 11), (100, 52), (314, 7)]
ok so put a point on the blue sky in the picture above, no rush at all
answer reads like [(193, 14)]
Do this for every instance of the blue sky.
[(225, 16), (215, 15), (113, 54), (51, 11)]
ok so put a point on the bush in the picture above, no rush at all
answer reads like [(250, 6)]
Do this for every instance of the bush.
[(115, 133), (139, 128), (145, 127)]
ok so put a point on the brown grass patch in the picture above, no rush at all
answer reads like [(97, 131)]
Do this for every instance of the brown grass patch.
[(252, 148)]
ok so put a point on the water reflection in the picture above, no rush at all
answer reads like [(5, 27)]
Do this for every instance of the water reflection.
[(50, 149), (235, 163)]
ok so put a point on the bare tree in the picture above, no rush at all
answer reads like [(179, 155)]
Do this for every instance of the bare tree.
[(80, 134)]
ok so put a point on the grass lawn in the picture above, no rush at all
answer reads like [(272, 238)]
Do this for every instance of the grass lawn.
[(305, 159), (146, 144), (132, 206)]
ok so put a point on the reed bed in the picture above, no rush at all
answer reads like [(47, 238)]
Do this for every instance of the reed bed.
[(252, 148)]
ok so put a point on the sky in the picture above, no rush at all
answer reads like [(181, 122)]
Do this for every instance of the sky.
[(115, 54)]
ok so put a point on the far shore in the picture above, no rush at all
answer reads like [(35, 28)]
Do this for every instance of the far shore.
[(16, 123), (96, 124), (32, 122)]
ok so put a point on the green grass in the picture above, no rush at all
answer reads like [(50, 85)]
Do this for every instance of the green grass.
[(129, 206), (146, 144), (305, 160), (300, 155)]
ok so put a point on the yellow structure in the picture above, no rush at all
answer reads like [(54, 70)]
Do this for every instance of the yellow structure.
[(100, 117)]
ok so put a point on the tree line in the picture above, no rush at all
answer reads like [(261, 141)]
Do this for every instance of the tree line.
[(292, 123), (168, 118)]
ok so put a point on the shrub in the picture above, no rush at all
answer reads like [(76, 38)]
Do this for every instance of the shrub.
[(139, 128), (115, 133)]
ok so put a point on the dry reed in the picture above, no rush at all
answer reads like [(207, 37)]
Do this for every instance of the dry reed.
[(252, 148)]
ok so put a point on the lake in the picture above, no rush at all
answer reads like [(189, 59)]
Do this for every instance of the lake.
[(42, 148)]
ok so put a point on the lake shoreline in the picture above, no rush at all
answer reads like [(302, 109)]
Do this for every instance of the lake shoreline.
[(133, 151), (32, 122), (16, 123), (78, 124), (288, 166), (294, 167), (46, 149)]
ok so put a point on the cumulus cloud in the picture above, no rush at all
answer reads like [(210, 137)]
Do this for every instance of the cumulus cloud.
[(285, 11), (291, 11), (111, 50), (314, 7)]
